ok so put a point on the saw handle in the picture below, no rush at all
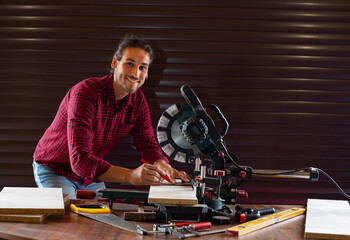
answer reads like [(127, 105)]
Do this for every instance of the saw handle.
[(90, 208), (221, 118), (192, 99)]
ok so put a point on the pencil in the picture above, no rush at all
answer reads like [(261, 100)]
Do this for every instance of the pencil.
[(163, 176)]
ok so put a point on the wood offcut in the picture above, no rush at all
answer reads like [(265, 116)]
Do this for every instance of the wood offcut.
[(170, 195), (31, 201)]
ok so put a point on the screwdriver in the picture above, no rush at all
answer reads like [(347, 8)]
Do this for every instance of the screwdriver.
[(192, 228), (197, 226), (190, 225)]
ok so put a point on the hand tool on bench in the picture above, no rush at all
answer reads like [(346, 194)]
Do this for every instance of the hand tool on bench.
[(174, 228), (248, 214), (187, 226), (198, 234), (143, 231), (102, 213), (90, 208), (194, 230), (173, 224), (190, 227), (165, 228)]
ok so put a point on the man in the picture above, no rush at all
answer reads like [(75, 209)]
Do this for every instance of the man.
[(93, 117)]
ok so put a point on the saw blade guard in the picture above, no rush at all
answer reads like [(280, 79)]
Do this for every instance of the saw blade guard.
[(170, 137), (184, 132)]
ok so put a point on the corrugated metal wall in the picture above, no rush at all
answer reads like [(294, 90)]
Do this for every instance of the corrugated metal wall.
[(278, 70)]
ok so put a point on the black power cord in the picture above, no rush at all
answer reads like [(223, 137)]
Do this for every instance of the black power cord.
[(334, 182)]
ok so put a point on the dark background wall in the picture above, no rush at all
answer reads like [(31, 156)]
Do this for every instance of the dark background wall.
[(278, 70)]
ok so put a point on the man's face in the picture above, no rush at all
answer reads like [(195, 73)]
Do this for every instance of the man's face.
[(131, 70)]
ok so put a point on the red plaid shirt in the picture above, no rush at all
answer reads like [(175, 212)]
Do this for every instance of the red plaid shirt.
[(88, 124)]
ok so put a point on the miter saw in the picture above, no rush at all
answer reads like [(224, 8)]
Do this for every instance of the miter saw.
[(188, 134)]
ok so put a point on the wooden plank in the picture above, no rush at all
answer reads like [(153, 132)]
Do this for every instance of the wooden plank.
[(31, 218), (170, 195), (34, 201), (265, 221), (22, 218), (327, 219)]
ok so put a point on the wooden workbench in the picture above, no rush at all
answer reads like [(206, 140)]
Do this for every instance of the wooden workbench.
[(74, 226)]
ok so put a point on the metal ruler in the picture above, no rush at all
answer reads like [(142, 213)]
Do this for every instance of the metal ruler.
[(265, 221)]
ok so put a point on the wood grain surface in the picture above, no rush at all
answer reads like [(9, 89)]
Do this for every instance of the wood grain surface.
[(327, 219), (169, 195), (74, 226), (27, 200)]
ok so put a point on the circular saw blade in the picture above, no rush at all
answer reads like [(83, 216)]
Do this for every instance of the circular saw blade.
[(170, 137)]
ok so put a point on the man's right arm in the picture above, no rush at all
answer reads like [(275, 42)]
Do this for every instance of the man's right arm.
[(81, 106)]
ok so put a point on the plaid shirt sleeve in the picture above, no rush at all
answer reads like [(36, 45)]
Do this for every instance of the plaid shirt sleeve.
[(144, 137), (81, 112)]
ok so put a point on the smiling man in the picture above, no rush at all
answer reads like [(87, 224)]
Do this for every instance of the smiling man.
[(93, 117)]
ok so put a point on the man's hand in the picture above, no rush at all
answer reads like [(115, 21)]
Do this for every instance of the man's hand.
[(171, 172), (145, 174)]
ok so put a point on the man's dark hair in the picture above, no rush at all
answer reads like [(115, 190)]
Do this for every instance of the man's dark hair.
[(131, 41)]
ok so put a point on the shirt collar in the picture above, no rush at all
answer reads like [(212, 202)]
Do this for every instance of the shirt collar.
[(126, 101)]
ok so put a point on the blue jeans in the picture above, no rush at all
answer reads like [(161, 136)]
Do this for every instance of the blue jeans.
[(45, 177)]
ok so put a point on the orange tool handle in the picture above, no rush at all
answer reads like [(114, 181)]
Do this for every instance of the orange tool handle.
[(163, 176)]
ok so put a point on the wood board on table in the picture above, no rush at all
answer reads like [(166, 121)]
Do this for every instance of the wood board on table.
[(22, 218), (31, 201), (170, 195), (37, 218), (327, 219)]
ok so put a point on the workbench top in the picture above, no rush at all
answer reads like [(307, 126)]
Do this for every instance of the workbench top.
[(74, 226)]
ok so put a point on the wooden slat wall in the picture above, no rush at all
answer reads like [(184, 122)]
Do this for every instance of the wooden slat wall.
[(278, 70)]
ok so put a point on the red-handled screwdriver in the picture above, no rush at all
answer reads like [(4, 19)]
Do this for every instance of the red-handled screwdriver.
[(163, 176), (198, 226), (189, 225), (176, 224), (174, 228)]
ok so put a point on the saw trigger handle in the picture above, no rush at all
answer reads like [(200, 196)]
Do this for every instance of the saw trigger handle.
[(220, 116), (191, 98)]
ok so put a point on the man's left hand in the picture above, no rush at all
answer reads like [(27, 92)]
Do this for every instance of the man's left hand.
[(171, 172)]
